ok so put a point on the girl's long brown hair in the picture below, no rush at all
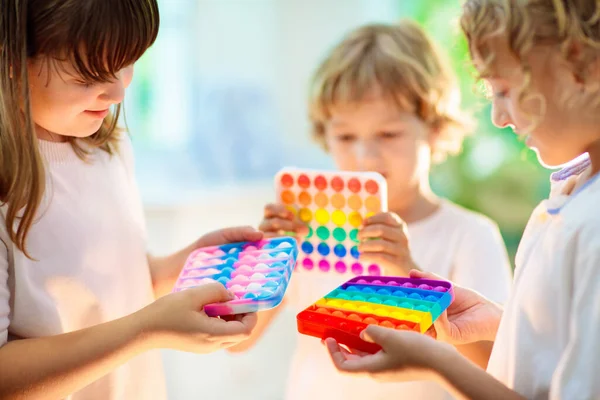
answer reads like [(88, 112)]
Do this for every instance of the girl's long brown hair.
[(99, 37)]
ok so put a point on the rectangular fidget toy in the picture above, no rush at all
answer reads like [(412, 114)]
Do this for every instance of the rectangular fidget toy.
[(257, 273), (333, 204), (391, 302)]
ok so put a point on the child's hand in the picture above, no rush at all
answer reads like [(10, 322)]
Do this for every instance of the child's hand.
[(470, 318), (229, 235), (404, 355), (279, 221), (384, 242), (177, 321)]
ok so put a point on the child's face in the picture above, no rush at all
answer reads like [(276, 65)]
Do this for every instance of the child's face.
[(375, 136), (562, 133), (64, 105)]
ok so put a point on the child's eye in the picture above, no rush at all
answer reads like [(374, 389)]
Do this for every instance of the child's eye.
[(345, 137), (84, 84), (501, 94), (388, 135)]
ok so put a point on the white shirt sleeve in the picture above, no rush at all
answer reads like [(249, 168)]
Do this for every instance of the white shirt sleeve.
[(4, 291), (577, 373), (481, 261)]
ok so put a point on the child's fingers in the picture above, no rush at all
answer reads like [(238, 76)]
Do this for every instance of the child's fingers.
[(380, 231), (385, 218), (345, 362), (415, 273), (222, 331), (277, 211), (382, 246), (278, 224)]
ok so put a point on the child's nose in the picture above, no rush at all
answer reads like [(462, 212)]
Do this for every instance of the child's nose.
[(369, 156), (500, 117)]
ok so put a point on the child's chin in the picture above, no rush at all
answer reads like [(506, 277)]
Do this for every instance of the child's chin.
[(553, 161)]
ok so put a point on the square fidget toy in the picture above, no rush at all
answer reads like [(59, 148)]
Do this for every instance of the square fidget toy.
[(391, 302), (257, 273), (333, 204)]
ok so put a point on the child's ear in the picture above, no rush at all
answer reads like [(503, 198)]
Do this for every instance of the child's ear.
[(584, 64)]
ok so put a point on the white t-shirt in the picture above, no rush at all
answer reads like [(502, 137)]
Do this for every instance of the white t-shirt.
[(548, 342), (454, 243), (89, 240)]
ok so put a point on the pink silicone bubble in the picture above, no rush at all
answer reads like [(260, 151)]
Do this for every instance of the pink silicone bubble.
[(204, 281), (357, 269), (425, 287), (440, 289), (241, 278), (377, 282), (236, 288), (251, 248), (247, 257), (307, 263), (374, 270), (408, 285), (244, 268), (340, 267), (362, 281), (218, 253), (324, 265), (393, 283), (194, 273), (189, 283)]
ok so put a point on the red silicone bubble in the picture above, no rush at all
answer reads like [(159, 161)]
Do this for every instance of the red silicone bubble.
[(354, 185), (337, 184), (371, 186), (287, 180), (303, 181), (321, 182)]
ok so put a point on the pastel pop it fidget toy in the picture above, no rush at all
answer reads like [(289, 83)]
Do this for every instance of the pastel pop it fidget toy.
[(257, 273), (333, 205), (391, 302)]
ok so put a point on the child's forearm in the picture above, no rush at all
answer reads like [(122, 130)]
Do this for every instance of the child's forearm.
[(55, 366), (166, 270), (467, 381), (478, 352)]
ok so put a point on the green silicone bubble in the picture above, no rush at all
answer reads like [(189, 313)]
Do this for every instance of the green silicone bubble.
[(310, 233), (322, 233), (354, 235), (339, 234)]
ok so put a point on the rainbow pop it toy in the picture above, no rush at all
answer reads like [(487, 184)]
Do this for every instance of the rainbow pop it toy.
[(257, 273), (333, 205), (391, 302)]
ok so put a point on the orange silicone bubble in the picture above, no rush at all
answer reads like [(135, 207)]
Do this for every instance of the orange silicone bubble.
[(387, 324), (370, 320), (354, 317), (338, 314), (303, 181), (287, 180), (338, 200), (338, 217), (304, 198), (373, 204), (321, 200), (322, 310), (354, 185), (355, 219), (321, 182), (354, 202), (337, 184), (371, 186), (287, 197)]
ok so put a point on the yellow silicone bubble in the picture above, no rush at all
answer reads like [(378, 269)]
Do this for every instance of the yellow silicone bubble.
[(338, 200), (373, 204), (334, 303), (354, 202), (338, 217), (287, 197), (304, 198), (365, 309), (381, 312), (322, 216), (355, 219), (369, 214), (321, 200), (305, 214), (350, 306), (321, 302), (397, 315)]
